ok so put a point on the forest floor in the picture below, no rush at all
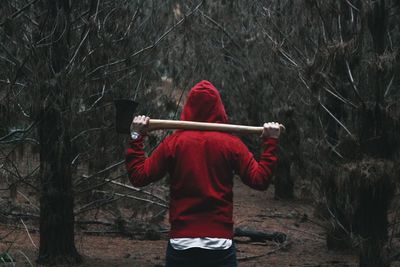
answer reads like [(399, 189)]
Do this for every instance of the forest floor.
[(255, 210)]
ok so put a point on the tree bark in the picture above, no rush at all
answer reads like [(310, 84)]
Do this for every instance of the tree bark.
[(57, 244)]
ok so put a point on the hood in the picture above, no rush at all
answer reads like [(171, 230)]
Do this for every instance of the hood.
[(204, 104)]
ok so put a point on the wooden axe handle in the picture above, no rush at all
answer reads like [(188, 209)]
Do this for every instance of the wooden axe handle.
[(205, 126)]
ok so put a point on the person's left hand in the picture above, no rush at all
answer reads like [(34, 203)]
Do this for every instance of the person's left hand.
[(140, 124)]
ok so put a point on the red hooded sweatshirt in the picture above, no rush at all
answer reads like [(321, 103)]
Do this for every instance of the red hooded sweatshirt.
[(201, 165)]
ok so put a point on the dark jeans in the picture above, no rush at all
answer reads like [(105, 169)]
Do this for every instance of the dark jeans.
[(198, 257)]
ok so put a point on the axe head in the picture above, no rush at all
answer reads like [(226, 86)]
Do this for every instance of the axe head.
[(124, 111)]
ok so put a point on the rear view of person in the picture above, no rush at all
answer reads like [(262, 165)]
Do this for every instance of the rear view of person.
[(201, 165)]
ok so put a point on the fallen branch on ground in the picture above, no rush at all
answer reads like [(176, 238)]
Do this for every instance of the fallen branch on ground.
[(260, 236)]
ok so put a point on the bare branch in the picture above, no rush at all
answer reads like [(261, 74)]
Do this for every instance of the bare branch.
[(88, 177), (353, 84), (27, 199), (389, 86), (98, 99), (136, 189), (352, 5), (16, 13), (26, 130), (280, 49), (339, 97), (221, 28), (133, 197), (336, 119), (29, 235), (85, 132), (77, 50)]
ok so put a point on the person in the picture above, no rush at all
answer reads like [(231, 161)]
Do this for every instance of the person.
[(201, 165)]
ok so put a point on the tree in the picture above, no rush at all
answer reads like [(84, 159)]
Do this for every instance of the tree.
[(57, 244)]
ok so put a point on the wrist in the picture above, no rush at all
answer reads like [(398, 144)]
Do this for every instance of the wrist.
[(135, 135)]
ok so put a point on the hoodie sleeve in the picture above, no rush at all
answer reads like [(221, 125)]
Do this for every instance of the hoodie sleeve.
[(144, 170), (257, 175)]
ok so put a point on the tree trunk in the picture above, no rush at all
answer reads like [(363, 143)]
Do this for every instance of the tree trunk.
[(57, 244), (289, 156), (284, 181)]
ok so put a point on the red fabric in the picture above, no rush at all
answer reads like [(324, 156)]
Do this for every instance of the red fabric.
[(201, 166)]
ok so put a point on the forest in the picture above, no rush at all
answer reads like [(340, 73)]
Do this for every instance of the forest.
[(329, 70)]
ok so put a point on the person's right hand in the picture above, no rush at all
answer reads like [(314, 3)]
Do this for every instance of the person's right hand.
[(271, 129), (140, 124)]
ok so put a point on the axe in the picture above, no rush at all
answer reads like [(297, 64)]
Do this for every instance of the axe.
[(125, 110)]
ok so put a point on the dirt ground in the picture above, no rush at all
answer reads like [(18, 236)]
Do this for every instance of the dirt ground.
[(254, 210)]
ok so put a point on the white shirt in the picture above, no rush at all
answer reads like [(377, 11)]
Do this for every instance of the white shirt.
[(203, 242)]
